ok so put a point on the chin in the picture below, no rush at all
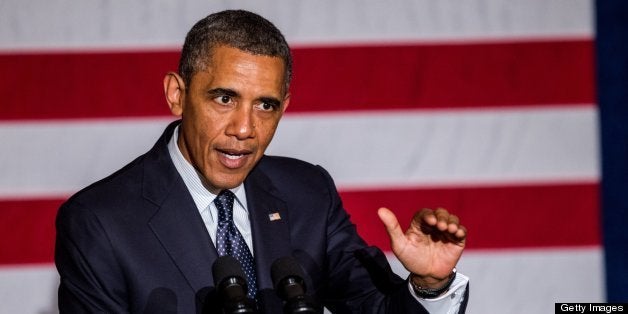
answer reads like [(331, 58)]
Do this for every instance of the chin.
[(230, 183)]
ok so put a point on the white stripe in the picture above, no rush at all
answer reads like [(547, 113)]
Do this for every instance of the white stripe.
[(28, 289), (68, 24), (57, 158), (529, 281), (506, 281), (458, 147), (361, 150)]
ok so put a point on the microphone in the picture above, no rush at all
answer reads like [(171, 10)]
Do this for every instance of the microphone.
[(288, 281), (231, 285)]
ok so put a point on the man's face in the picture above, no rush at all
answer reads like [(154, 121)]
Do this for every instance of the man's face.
[(230, 113)]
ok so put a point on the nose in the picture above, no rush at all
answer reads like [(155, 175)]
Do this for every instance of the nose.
[(241, 124)]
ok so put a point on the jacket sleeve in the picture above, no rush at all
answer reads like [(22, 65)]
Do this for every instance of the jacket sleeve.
[(359, 278), (90, 280)]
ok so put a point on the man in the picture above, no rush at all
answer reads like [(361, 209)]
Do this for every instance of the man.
[(145, 238)]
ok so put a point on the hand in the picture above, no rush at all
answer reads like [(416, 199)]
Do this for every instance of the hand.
[(430, 248)]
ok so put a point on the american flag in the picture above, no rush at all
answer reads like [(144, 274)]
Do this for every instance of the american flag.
[(484, 107), (274, 216)]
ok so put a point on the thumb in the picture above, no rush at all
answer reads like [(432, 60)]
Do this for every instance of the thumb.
[(391, 223)]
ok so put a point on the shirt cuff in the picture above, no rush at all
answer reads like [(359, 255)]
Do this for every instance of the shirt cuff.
[(449, 302)]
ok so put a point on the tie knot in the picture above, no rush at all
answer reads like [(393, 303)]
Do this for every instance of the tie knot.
[(224, 204)]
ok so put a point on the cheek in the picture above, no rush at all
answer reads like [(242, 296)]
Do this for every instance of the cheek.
[(206, 128), (199, 141), (266, 131)]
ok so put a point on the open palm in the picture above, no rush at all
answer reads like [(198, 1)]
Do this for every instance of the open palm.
[(431, 246)]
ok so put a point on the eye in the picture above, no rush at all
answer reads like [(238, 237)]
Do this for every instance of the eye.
[(223, 99), (264, 106), (268, 104)]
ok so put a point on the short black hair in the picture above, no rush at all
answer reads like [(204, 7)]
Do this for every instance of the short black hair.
[(239, 29)]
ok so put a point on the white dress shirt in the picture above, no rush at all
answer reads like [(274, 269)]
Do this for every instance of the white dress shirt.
[(448, 303)]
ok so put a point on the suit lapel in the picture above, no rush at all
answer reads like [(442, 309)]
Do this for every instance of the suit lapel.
[(180, 229), (269, 224), (177, 223)]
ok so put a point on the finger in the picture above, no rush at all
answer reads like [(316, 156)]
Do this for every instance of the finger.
[(442, 217), (461, 233), (425, 215), (453, 224), (391, 223)]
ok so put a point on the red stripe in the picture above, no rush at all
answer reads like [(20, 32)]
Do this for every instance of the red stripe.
[(496, 217), (444, 76), (84, 85), (27, 230), (129, 84)]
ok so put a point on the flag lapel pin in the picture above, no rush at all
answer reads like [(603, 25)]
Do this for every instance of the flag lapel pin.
[(274, 216)]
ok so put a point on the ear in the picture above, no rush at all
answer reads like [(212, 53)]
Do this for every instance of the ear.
[(174, 89), (286, 102)]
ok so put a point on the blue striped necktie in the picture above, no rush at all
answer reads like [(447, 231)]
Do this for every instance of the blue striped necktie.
[(229, 241)]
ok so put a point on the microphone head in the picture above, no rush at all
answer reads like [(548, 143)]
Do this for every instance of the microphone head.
[(231, 286), (287, 276), (288, 281), (225, 267)]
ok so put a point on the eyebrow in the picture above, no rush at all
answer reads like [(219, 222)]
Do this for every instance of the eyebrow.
[(222, 91)]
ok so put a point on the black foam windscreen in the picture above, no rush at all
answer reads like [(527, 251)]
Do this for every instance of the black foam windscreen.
[(225, 267), (287, 276)]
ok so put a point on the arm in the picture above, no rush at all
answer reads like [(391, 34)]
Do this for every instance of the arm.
[(90, 279), (358, 277), (370, 286)]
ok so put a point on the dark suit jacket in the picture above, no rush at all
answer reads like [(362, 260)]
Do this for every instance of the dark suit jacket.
[(135, 242)]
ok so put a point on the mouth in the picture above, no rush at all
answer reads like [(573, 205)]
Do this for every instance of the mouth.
[(232, 156), (233, 159)]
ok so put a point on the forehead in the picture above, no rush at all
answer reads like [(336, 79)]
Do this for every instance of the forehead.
[(225, 64)]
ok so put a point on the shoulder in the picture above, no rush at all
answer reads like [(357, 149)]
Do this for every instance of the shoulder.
[(298, 183), (291, 171), (149, 177), (287, 164), (121, 181), (115, 192)]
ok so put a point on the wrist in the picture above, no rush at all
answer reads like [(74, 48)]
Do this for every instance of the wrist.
[(429, 289)]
